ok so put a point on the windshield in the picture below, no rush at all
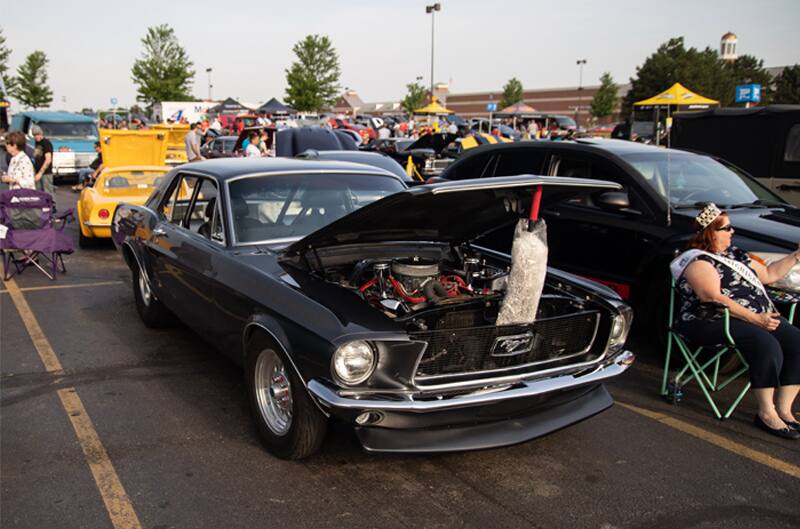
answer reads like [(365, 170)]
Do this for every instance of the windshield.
[(692, 179), (565, 122), (269, 208), (69, 130)]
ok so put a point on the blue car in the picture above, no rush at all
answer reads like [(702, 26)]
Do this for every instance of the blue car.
[(72, 135)]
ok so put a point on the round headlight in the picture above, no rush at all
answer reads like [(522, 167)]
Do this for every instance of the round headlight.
[(353, 362)]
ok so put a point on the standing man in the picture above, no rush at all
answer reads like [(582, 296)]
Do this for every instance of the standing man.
[(43, 161), (192, 143)]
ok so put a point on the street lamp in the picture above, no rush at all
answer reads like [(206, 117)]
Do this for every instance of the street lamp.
[(580, 63), (208, 71), (431, 9)]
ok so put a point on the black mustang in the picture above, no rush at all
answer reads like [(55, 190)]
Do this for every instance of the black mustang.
[(345, 294)]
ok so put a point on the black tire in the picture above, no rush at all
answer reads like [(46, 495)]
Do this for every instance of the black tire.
[(303, 433), (152, 312), (85, 242)]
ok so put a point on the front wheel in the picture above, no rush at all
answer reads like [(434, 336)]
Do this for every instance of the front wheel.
[(289, 423)]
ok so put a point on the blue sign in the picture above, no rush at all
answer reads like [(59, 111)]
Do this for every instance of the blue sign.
[(491, 107), (113, 100), (748, 93)]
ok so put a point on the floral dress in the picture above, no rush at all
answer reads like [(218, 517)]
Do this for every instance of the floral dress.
[(21, 170), (732, 285)]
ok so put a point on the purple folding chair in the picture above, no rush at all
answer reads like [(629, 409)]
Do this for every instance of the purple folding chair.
[(31, 234)]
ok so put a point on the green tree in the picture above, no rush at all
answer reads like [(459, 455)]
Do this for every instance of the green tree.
[(164, 71), (787, 86), (747, 69), (512, 93), (701, 71), (605, 100), (313, 79), (31, 87), (415, 97), (8, 80)]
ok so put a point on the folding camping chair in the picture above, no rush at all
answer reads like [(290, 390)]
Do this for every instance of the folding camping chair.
[(31, 234), (709, 366)]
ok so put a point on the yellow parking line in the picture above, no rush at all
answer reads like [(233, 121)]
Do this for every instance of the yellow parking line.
[(718, 440), (54, 287), (116, 500)]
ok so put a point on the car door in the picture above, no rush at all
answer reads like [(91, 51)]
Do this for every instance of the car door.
[(589, 238), (179, 257)]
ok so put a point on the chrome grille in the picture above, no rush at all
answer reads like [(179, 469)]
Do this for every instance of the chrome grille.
[(459, 351)]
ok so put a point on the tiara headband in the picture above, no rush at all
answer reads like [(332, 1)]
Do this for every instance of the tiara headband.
[(708, 215)]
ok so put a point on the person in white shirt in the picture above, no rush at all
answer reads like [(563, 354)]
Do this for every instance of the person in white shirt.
[(20, 169), (384, 132), (216, 125), (192, 143), (452, 128), (252, 150)]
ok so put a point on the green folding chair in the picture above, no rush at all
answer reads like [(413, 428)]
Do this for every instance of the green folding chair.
[(710, 366), (702, 364)]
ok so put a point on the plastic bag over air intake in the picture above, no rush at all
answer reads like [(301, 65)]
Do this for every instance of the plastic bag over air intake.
[(528, 271)]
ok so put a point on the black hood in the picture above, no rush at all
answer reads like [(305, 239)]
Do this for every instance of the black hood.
[(450, 212), (435, 142)]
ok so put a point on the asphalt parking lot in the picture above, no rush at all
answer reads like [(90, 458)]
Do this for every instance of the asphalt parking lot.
[(105, 423)]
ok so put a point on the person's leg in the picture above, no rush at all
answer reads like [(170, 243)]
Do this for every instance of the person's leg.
[(789, 337), (763, 353), (47, 184)]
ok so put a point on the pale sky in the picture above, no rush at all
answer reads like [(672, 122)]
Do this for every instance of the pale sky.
[(382, 45)]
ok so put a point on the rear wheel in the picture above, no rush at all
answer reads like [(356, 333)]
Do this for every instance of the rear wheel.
[(289, 423), (152, 312), (84, 241)]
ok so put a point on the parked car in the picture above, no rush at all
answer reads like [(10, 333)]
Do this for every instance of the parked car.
[(219, 147), (308, 273), (96, 204), (625, 239), (375, 159), (73, 137), (430, 154)]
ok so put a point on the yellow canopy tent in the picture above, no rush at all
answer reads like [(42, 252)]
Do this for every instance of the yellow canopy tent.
[(678, 96), (433, 108)]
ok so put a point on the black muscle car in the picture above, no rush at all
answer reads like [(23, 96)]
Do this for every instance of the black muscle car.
[(345, 294)]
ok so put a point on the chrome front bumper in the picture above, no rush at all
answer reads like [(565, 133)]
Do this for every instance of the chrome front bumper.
[(331, 400)]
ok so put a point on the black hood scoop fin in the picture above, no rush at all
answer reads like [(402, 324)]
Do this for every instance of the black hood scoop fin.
[(791, 217)]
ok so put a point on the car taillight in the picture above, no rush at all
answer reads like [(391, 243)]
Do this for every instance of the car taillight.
[(103, 214), (64, 149)]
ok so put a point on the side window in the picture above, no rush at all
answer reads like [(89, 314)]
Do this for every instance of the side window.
[(792, 152), (580, 167), (217, 233), (178, 198), (526, 161), (201, 211), (476, 167), (216, 145)]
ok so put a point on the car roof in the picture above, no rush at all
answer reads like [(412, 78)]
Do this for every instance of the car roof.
[(227, 168), (64, 117)]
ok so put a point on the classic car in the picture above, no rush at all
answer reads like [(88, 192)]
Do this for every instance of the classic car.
[(132, 184), (637, 230), (430, 154), (219, 147), (376, 159), (346, 295)]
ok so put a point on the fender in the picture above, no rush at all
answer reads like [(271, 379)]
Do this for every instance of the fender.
[(273, 328)]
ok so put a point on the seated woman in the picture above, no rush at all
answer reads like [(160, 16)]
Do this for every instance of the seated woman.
[(712, 270)]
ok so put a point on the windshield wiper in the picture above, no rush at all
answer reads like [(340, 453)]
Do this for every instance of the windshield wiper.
[(691, 205), (758, 204)]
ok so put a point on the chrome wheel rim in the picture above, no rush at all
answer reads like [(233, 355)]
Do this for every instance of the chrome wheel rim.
[(144, 288), (273, 392)]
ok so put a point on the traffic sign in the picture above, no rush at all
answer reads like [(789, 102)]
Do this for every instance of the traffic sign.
[(113, 100), (491, 107), (748, 93)]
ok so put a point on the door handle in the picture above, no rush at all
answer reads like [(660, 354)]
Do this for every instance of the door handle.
[(159, 232)]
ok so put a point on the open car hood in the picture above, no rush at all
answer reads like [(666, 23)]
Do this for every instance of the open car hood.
[(437, 142), (451, 212)]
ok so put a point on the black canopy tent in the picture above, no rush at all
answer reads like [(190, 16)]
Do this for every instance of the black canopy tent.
[(229, 106), (764, 141), (273, 106)]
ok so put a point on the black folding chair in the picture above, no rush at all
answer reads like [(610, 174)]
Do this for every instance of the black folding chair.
[(31, 234)]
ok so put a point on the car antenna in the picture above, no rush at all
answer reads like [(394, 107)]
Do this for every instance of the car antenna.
[(669, 184)]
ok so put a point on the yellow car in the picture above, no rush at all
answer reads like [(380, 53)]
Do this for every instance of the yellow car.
[(96, 205)]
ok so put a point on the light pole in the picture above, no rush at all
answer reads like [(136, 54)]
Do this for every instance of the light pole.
[(431, 9), (580, 63), (208, 71)]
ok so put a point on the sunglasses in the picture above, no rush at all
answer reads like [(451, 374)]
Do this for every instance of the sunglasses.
[(727, 227)]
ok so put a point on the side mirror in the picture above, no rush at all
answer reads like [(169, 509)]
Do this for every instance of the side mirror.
[(614, 201)]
